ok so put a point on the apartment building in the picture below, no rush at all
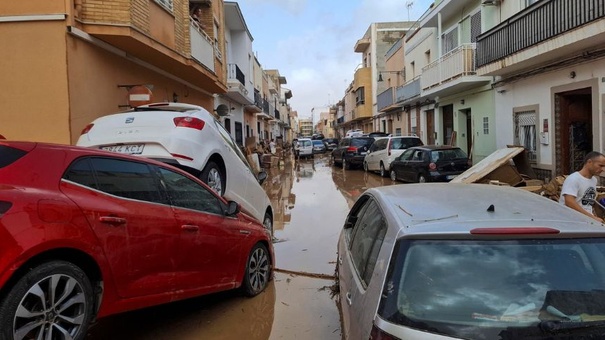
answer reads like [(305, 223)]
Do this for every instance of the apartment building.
[(397, 121), (72, 61), (548, 62), (306, 127)]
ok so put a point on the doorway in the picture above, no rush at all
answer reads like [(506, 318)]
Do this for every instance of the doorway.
[(573, 116), (448, 124), (430, 127)]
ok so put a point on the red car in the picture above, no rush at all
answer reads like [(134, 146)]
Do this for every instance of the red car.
[(86, 233)]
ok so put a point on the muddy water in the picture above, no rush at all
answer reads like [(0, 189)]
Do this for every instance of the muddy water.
[(311, 200)]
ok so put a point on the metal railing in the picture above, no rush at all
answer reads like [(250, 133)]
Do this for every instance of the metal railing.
[(234, 72), (458, 62), (537, 23), (409, 90), (385, 99), (258, 99)]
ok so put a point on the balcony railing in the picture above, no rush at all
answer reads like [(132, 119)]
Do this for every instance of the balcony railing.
[(235, 73), (385, 99), (457, 62), (276, 113), (266, 106), (201, 46), (542, 21), (258, 99), (409, 90)]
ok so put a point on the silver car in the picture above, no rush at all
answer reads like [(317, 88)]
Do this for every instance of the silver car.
[(469, 261)]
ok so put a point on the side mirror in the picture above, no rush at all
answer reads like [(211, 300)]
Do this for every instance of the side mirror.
[(232, 208), (261, 177)]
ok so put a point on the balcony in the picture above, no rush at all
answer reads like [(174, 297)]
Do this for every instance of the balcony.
[(149, 32), (202, 47), (362, 44), (386, 99), (276, 114), (546, 32), (264, 115), (454, 72), (236, 88), (408, 91), (257, 107)]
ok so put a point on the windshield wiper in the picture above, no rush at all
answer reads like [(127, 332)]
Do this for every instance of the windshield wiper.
[(557, 330)]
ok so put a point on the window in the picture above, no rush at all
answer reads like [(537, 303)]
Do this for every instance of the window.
[(360, 96), (398, 132), (486, 125), (166, 4), (449, 40), (525, 133), (9, 155), (117, 177), (185, 193), (367, 237)]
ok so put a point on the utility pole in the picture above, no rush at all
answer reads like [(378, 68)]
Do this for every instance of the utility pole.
[(409, 5)]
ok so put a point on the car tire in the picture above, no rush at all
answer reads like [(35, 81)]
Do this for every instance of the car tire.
[(422, 178), (41, 310), (383, 172), (258, 271), (365, 166), (393, 175), (213, 176), (268, 223)]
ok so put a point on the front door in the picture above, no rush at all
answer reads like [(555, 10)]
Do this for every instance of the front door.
[(430, 127), (448, 125), (574, 116)]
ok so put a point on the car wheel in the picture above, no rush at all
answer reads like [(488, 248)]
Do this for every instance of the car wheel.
[(258, 270), (383, 172), (52, 301), (393, 175), (365, 166), (213, 176), (268, 223), (421, 178)]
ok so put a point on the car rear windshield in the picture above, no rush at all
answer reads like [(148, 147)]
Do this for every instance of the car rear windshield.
[(9, 155), (405, 143), (447, 155), (484, 289), (362, 142)]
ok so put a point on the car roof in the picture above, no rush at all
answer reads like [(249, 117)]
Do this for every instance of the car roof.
[(434, 147), (447, 208)]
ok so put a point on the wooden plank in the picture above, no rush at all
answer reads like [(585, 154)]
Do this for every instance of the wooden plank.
[(490, 163)]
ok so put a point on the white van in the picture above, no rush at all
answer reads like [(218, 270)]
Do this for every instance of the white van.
[(384, 150), (354, 133), (304, 148)]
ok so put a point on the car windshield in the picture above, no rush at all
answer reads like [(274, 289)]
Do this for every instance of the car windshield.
[(447, 155), (483, 289), (405, 143)]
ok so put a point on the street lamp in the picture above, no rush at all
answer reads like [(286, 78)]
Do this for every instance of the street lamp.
[(381, 72)]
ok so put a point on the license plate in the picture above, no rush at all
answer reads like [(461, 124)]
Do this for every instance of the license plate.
[(450, 176), (131, 149), (363, 153)]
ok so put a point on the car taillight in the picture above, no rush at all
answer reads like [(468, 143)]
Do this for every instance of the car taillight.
[(432, 166), (87, 128), (189, 122), (514, 231), (352, 149), (4, 206), (379, 334)]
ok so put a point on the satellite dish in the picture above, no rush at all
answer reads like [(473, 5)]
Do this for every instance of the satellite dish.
[(222, 110)]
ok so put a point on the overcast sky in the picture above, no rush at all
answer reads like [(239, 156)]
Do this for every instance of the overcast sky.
[(311, 42)]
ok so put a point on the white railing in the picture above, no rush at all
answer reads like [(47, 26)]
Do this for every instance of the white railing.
[(456, 63), (202, 47)]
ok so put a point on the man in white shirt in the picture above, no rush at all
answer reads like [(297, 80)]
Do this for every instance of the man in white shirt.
[(580, 188)]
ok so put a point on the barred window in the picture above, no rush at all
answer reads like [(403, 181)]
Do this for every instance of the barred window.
[(486, 125), (525, 133)]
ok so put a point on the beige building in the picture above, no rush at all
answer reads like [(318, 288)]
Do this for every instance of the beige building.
[(72, 61)]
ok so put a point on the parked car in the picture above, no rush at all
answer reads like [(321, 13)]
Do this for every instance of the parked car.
[(189, 137), (429, 163), (377, 134), (304, 148), (330, 143), (86, 233), (351, 151), (384, 150), (469, 261), (354, 133), (318, 146), (317, 136)]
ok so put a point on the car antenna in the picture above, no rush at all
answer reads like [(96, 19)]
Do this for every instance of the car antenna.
[(491, 208)]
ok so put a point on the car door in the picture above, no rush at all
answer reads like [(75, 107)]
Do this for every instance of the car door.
[(210, 244), (401, 164), (362, 294), (373, 156), (415, 165), (130, 216)]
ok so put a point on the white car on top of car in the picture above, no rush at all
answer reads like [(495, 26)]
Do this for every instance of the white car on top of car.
[(191, 138)]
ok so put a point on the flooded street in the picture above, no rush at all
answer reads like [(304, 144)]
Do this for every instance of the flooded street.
[(311, 199)]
